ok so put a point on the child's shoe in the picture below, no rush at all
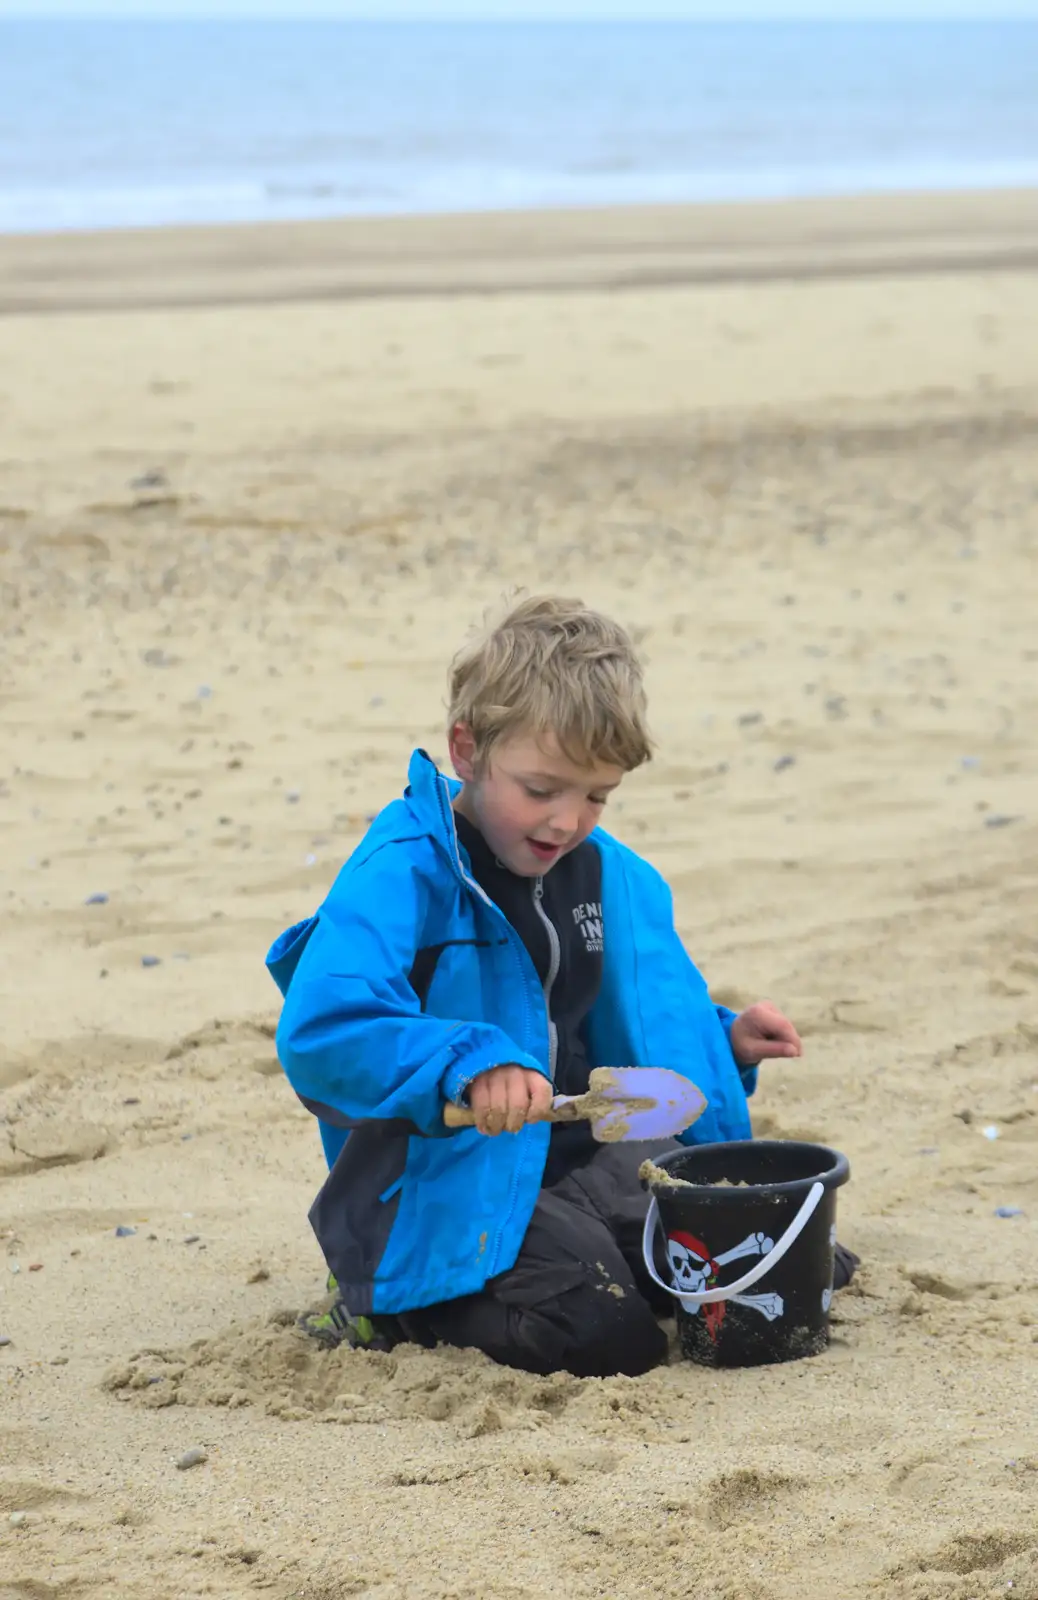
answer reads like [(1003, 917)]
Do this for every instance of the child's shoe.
[(335, 1325)]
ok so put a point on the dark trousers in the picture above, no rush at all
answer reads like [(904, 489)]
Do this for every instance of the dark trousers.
[(578, 1298)]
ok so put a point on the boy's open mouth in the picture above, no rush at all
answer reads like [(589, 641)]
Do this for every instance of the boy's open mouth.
[(544, 852)]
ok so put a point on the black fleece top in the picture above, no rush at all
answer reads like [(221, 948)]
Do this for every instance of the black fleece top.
[(559, 919)]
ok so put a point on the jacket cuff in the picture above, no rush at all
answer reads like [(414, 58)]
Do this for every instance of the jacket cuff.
[(463, 1069), (747, 1075)]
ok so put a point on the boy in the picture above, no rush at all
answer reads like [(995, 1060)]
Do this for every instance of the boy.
[(488, 944)]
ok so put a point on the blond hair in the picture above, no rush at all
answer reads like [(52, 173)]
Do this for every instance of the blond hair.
[(552, 666)]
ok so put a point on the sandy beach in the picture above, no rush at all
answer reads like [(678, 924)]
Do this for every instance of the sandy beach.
[(255, 485)]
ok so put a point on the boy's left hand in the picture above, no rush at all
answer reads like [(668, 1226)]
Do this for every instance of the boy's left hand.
[(762, 1033)]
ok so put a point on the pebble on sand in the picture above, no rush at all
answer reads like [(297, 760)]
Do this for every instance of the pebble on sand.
[(783, 762), (5, 1339), (151, 961), (99, 899), (192, 1458), (998, 820), (124, 1231), (1009, 1211)]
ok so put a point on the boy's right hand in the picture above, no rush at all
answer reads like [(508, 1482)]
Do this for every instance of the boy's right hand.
[(506, 1098)]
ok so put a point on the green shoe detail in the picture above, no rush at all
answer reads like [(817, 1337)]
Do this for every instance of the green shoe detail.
[(335, 1326)]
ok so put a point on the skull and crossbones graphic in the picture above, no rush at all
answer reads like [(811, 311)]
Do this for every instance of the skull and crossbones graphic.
[(695, 1270)]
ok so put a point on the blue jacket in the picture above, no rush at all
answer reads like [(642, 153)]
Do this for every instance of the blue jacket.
[(410, 1214)]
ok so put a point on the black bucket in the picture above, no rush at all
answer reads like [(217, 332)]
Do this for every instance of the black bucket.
[(734, 1209)]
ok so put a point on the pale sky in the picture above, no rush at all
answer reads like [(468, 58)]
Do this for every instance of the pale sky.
[(603, 10)]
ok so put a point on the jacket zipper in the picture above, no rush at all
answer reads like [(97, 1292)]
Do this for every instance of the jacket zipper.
[(553, 972), (448, 816), (447, 813)]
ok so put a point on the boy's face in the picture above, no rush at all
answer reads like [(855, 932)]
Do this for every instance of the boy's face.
[(530, 802)]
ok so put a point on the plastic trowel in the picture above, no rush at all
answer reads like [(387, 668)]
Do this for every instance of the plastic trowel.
[(622, 1103)]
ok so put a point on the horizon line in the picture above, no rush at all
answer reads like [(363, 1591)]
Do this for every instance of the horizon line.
[(718, 18)]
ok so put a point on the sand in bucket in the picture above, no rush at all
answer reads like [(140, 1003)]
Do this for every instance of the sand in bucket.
[(743, 1235)]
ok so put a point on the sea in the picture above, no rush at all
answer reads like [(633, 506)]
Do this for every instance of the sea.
[(118, 124)]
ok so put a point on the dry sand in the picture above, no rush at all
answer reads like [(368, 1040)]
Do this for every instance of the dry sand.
[(238, 545)]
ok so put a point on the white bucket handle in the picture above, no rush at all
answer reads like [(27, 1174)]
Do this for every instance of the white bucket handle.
[(713, 1297)]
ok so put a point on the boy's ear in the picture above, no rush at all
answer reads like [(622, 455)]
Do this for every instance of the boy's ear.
[(462, 747)]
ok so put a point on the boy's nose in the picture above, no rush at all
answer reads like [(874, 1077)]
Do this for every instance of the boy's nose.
[(565, 820)]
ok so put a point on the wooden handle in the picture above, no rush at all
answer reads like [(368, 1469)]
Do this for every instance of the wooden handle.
[(458, 1116), (462, 1117)]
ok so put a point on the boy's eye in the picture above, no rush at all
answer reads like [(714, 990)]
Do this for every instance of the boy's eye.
[(598, 799), (537, 794)]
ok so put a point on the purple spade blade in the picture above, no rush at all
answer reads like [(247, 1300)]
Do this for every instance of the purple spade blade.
[(643, 1103)]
